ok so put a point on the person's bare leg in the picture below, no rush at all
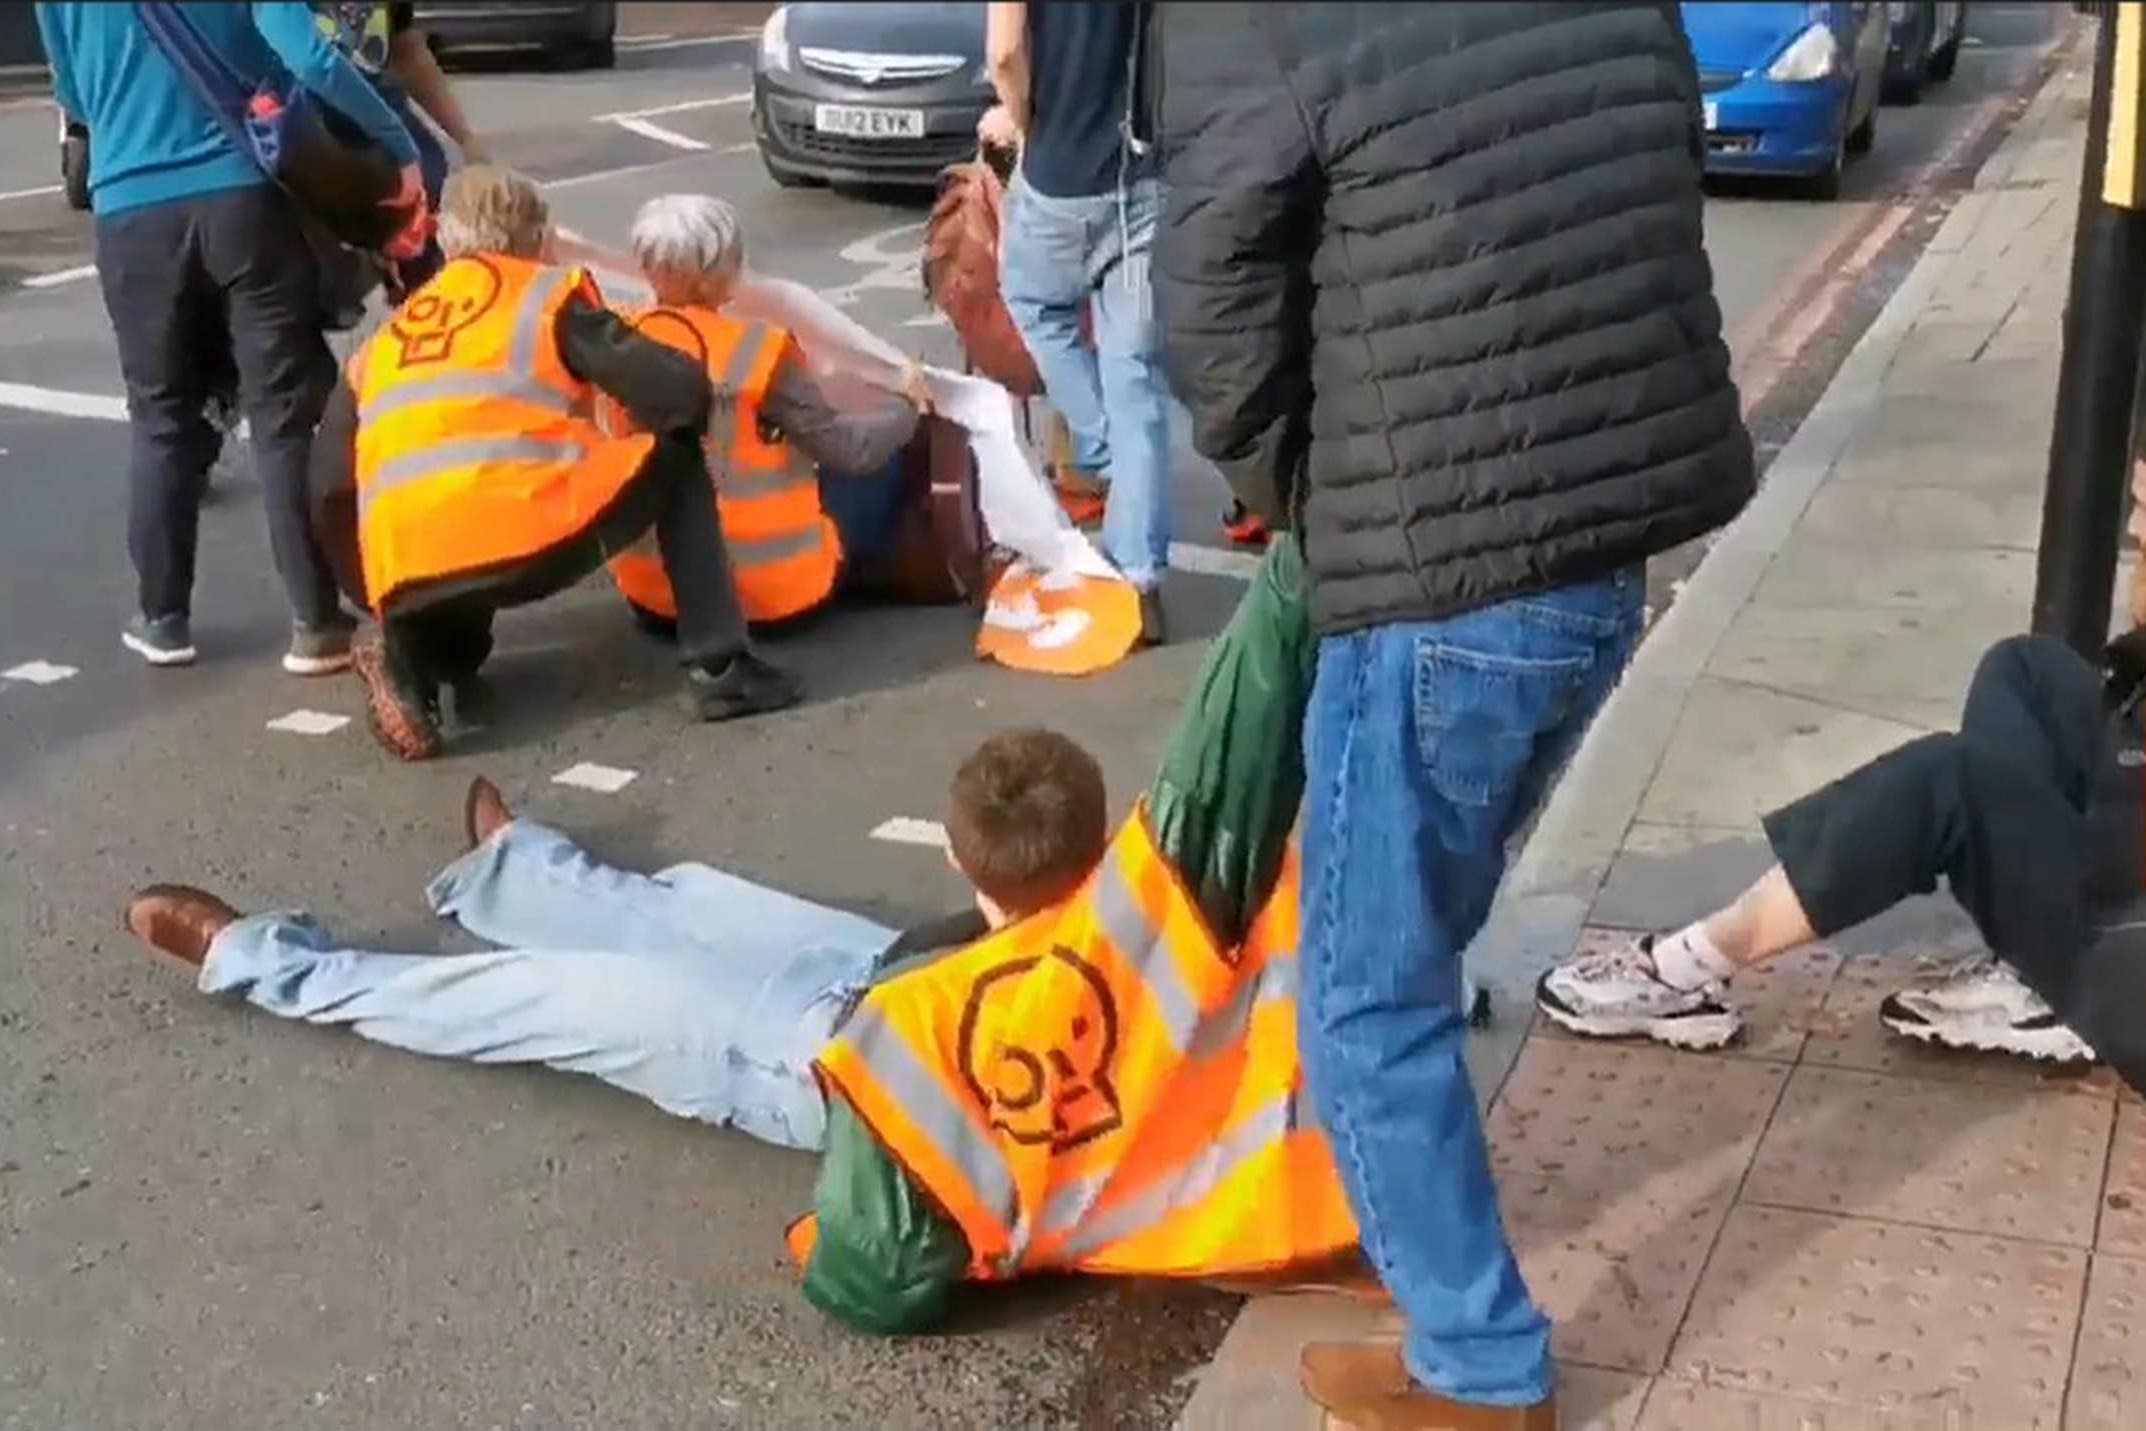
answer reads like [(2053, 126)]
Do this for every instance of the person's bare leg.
[(1764, 922)]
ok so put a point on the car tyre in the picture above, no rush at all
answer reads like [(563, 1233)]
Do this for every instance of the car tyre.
[(601, 54), (1946, 57), (1824, 186), (74, 170), (1906, 87), (1864, 136)]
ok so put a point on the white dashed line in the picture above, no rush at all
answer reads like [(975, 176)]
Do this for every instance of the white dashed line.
[(904, 830), (304, 722), (686, 106), (637, 46), (602, 174), (649, 129), (933, 319), (603, 779), (40, 673), (61, 403), (65, 275), (1213, 561), (37, 193)]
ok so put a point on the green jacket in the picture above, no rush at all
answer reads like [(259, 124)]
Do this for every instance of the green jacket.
[(1223, 803)]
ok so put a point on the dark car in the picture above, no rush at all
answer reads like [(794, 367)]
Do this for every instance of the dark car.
[(869, 93), (567, 34), (1924, 49)]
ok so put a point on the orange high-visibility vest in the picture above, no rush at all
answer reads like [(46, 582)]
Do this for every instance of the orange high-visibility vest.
[(784, 550), (476, 447), (1101, 1088)]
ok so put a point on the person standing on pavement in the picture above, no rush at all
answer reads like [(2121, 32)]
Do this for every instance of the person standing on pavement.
[(196, 248), (1080, 220), (1430, 278)]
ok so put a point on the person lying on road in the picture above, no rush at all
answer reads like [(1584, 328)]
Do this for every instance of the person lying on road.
[(1093, 1070), (2035, 815), (460, 468), (814, 499)]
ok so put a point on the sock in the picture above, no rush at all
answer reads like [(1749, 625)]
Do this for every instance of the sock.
[(1689, 959)]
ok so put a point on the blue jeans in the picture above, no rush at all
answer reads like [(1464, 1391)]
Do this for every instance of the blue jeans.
[(1427, 746), (699, 991), (866, 509), (1055, 255)]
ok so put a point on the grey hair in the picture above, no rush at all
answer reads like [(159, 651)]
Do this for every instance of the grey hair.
[(688, 236), (486, 209)]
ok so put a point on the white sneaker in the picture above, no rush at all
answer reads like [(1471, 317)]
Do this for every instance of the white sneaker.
[(1983, 1006), (1615, 993)]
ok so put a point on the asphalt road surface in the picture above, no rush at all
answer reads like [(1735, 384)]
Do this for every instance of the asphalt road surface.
[(209, 1219)]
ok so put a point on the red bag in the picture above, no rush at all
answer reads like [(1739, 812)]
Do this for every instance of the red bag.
[(961, 247)]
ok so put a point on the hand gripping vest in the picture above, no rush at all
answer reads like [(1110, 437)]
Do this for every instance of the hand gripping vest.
[(476, 447), (783, 549), (1101, 1089)]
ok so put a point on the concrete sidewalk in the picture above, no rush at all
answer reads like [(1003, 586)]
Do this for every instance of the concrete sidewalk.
[(1823, 1227)]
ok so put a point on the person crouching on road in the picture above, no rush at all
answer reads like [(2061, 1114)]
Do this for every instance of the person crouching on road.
[(1093, 1069), (460, 469), (795, 534)]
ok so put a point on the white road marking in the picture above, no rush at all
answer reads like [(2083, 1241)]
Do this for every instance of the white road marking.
[(631, 45), (62, 404), (746, 148), (895, 269), (40, 673), (682, 107), (1213, 561), (602, 174), (637, 41), (933, 319), (603, 779), (649, 129), (65, 275), (304, 722), (904, 830), (37, 193)]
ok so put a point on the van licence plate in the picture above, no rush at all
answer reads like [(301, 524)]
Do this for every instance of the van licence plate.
[(1713, 116), (856, 121)]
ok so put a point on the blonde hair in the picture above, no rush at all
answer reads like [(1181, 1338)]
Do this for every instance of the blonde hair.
[(688, 237), (487, 209)]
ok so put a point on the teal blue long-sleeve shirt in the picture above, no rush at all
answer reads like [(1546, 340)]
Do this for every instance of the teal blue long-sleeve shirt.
[(151, 139)]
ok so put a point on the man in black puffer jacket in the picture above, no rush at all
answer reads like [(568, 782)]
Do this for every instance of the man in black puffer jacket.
[(1431, 282)]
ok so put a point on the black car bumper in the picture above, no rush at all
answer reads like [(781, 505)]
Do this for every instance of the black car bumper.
[(784, 125), (456, 26)]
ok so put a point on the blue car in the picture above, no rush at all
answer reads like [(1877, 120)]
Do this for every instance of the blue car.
[(1789, 89)]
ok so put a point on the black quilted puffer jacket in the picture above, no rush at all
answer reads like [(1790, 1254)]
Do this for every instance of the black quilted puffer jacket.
[(1430, 280)]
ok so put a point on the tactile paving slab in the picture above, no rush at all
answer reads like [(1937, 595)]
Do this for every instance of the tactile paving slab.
[(1846, 1034), (1849, 1312), (1680, 1406), (2123, 1197), (2108, 1376), (1616, 1165), (1780, 1002), (2014, 1162)]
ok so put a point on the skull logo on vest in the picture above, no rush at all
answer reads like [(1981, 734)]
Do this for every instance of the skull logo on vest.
[(1037, 1040), (427, 325)]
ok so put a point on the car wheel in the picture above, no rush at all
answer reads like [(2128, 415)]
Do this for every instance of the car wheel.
[(1905, 85), (786, 177), (1946, 57), (1824, 186), (601, 54), (1864, 135), (74, 171)]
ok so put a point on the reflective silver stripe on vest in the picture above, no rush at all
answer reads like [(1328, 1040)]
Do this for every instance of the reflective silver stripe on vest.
[(516, 382), (723, 386), (744, 486), (924, 1101), (1195, 1179), (451, 387), (462, 452), (1110, 899), (768, 550)]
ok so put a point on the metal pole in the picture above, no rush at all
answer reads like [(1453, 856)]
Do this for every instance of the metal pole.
[(2089, 450)]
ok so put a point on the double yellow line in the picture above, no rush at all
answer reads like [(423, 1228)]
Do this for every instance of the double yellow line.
[(2122, 184)]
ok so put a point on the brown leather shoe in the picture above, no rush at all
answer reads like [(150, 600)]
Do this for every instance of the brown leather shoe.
[(1363, 1386), (484, 811), (179, 920)]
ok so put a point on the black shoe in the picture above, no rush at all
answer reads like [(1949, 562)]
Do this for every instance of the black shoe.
[(1154, 631), (161, 641), (745, 686), (320, 650)]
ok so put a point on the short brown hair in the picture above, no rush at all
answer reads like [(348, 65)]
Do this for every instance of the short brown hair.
[(1027, 819)]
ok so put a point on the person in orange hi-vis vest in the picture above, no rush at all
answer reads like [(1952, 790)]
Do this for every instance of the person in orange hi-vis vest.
[(460, 468), (810, 495), (1093, 1070)]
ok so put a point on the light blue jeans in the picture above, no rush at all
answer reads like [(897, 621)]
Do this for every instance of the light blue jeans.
[(1055, 255), (1427, 746), (701, 992)]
